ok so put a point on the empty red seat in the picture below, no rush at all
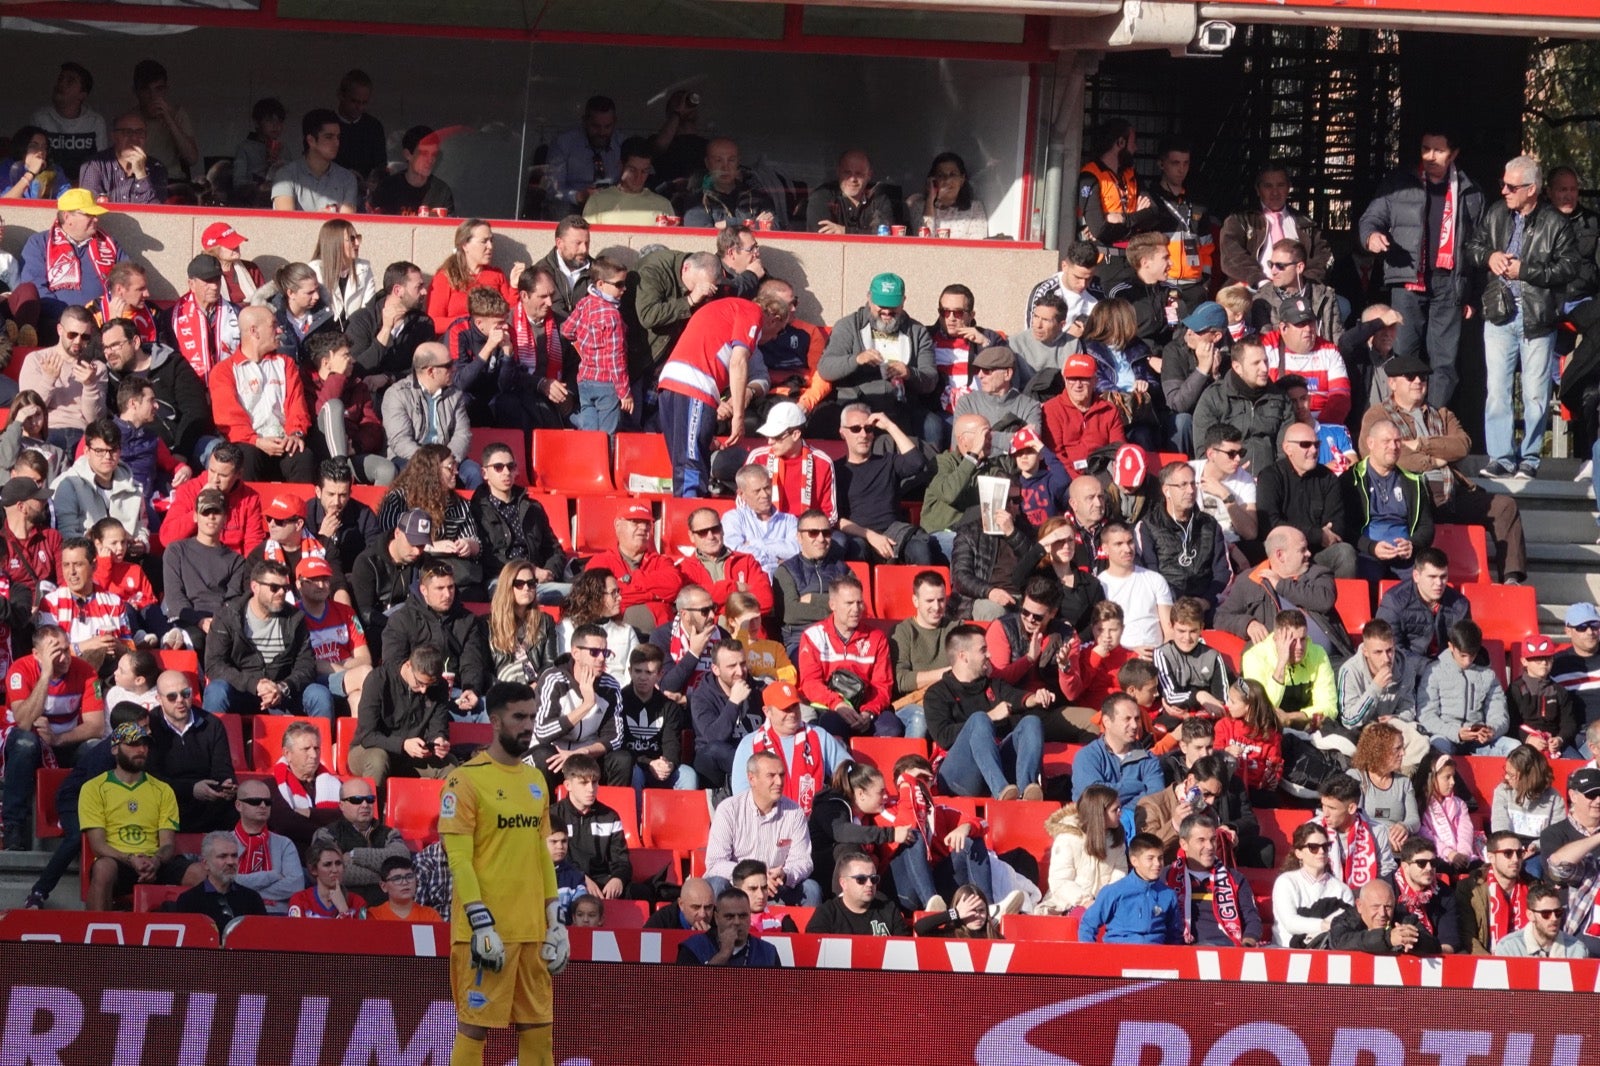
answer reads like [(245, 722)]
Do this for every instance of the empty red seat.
[(571, 460), (151, 897), (412, 809), (623, 800), (676, 819), (644, 454), (1353, 601), (345, 736), (650, 863), (1039, 927), (626, 914), (1480, 774), (1228, 645), (1020, 824), (1468, 549), (1505, 612), (46, 818)]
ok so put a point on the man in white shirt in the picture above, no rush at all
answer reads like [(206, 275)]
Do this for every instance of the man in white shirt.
[(315, 182), (756, 526), (1227, 491), (1543, 937), (1143, 595), (76, 130)]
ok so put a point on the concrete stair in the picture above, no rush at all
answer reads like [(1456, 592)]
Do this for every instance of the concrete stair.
[(1558, 518)]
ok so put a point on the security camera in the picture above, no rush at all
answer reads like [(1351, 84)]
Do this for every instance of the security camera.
[(1214, 36)]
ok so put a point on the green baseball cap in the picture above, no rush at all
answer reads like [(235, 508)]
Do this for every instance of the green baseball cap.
[(887, 290)]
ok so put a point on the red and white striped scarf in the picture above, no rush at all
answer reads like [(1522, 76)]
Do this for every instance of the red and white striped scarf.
[(1356, 852), (202, 338), (255, 852), (1224, 894), (524, 339), (296, 795), (62, 270), (808, 474), (804, 777), (144, 323), (1416, 900)]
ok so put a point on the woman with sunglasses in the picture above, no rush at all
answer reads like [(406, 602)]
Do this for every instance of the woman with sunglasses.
[(1306, 897), (522, 639), (597, 600)]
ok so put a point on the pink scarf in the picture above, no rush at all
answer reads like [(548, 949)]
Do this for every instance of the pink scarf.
[(62, 270)]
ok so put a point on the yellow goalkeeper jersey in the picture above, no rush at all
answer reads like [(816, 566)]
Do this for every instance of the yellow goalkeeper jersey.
[(492, 819)]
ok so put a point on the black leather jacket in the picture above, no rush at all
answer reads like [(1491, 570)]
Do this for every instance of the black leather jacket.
[(1549, 261)]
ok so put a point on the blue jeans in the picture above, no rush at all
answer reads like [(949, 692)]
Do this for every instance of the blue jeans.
[(222, 698), (977, 763), (916, 880), (914, 720), (1501, 746), (886, 724), (688, 426), (598, 407), (1501, 347), (24, 755), (683, 779)]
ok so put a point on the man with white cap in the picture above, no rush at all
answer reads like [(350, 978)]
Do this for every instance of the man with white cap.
[(69, 261), (802, 477), (649, 581), (997, 400)]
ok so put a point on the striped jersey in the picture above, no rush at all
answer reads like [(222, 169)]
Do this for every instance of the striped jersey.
[(698, 365)]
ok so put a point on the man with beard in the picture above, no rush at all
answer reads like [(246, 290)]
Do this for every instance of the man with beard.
[(1245, 244), (32, 548), (850, 204), (220, 897), (384, 334), (131, 823), (1110, 206), (881, 356)]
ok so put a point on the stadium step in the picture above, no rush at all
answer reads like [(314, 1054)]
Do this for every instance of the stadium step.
[(1558, 519)]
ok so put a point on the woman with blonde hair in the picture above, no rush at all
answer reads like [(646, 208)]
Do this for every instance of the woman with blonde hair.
[(466, 268), (343, 274), (1123, 361), (522, 638), (298, 309)]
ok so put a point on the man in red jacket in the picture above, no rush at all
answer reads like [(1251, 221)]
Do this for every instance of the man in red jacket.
[(649, 581), (259, 403), (1079, 422), (841, 644), (719, 569), (244, 527)]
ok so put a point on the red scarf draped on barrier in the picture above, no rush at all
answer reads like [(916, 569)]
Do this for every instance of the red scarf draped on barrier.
[(803, 777)]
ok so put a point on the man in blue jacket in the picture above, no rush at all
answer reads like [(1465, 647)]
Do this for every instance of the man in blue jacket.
[(1116, 759), (1140, 908)]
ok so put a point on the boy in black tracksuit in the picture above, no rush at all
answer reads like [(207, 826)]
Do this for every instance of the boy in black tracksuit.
[(596, 843)]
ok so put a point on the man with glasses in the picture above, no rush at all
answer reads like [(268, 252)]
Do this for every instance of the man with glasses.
[(1419, 892), (869, 479), (957, 338), (1543, 937), (1182, 543), (1301, 493), (68, 262), (71, 383), (1226, 490), (189, 751), (689, 641), (802, 581), (760, 822), (1578, 669), (268, 863), (1571, 850), (54, 712), (220, 896), (755, 525), (1493, 901), (1286, 281), (125, 173), (258, 654), (398, 879), (858, 909), (512, 525), (649, 580), (100, 486), (1530, 254), (426, 408), (718, 569), (1245, 397), (996, 400), (1432, 441), (802, 476), (290, 542), (367, 846), (580, 713)]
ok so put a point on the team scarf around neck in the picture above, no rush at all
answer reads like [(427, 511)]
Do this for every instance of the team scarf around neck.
[(310, 548), (1357, 853), (678, 642), (294, 790), (804, 778), (1416, 900), (202, 338), (255, 853), (1508, 911), (1224, 894), (918, 804), (144, 323), (1444, 257), (808, 469), (62, 270), (524, 340)]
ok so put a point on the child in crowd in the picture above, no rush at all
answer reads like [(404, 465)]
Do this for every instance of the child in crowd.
[(596, 330), (153, 466), (1544, 715), (134, 680), (114, 573), (750, 877), (1138, 678), (1249, 732), (1194, 677), (359, 435), (569, 879), (595, 838), (1445, 818), (1099, 662), (1139, 908), (398, 879), (1042, 481), (1236, 301), (653, 725), (588, 912)]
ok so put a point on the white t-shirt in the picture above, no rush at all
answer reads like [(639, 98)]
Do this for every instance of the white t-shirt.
[(1138, 594), (1241, 483), (78, 137)]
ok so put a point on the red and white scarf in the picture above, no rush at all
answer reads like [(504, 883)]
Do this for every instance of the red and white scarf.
[(310, 548), (62, 270), (255, 850), (296, 795), (918, 805), (1356, 853), (1508, 911), (1444, 257), (1416, 901), (144, 323), (1224, 895), (808, 472), (804, 777), (678, 643), (204, 340), (525, 341)]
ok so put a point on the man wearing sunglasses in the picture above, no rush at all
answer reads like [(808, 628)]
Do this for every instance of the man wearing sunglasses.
[(367, 846), (1432, 440), (513, 525), (268, 863), (718, 569), (1543, 937), (1493, 901), (1578, 669), (1419, 891), (1571, 848), (258, 654), (580, 713), (189, 751), (858, 910)]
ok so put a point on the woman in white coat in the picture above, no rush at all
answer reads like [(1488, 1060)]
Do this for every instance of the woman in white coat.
[(1088, 853)]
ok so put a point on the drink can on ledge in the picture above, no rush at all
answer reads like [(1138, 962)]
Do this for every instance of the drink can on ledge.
[(883, 231), (764, 224), (897, 231), (661, 220), (674, 220), (944, 232), (440, 212), (924, 232)]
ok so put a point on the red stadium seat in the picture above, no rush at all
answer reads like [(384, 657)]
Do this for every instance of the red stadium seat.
[(483, 436), (883, 752), (1230, 647), (266, 739), (345, 736), (369, 495), (1278, 825), (233, 726), (675, 521), (650, 863), (46, 819), (478, 734), (1020, 824), (1468, 549), (863, 572), (1353, 601), (626, 914), (1496, 652), (624, 800), (412, 809), (179, 659), (151, 897), (676, 819), (1480, 774), (1039, 927), (1058, 758), (640, 453), (1163, 458), (558, 511), (572, 460), (596, 515), (891, 588), (19, 357), (1505, 612), (970, 806)]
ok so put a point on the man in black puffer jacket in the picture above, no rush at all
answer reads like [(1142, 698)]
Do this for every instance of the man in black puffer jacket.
[(432, 616), (514, 525)]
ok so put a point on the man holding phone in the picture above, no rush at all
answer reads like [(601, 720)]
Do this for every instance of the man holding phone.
[(189, 751)]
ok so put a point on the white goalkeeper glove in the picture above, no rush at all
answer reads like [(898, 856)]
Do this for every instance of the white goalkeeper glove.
[(488, 951), (556, 947)]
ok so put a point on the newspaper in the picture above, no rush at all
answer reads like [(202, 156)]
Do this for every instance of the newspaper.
[(992, 495)]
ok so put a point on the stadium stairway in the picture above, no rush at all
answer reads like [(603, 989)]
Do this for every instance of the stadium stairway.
[(1558, 519)]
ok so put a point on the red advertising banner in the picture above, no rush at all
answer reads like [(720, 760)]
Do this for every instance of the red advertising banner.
[(66, 1005)]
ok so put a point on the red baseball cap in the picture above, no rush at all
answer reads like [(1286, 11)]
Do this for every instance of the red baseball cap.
[(637, 512), (220, 234), (285, 506), (1025, 439), (780, 696), (1542, 647), (312, 566), (1080, 365)]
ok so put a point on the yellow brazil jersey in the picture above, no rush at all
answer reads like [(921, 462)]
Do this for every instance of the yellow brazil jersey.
[(500, 811), (132, 815)]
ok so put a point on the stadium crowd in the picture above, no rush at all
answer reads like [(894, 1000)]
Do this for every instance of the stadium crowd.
[(1126, 527)]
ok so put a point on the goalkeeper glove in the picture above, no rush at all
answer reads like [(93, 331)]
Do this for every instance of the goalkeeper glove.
[(556, 947), (488, 951)]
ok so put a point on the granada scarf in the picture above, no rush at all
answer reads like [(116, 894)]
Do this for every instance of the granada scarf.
[(203, 340), (1508, 911), (804, 778), (62, 270), (1224, 894)]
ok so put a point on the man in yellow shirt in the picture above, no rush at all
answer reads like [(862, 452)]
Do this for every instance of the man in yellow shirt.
[(131, 822), (503, 951)]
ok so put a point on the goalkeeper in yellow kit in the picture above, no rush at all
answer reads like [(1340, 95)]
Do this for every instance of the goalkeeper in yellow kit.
[(505, 946)]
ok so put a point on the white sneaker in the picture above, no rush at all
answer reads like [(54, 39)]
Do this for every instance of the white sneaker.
[(936, 904), (1586, 471), (1010, 903)]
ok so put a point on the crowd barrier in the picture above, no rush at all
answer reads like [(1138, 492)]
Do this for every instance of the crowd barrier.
[(69, 1003)]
